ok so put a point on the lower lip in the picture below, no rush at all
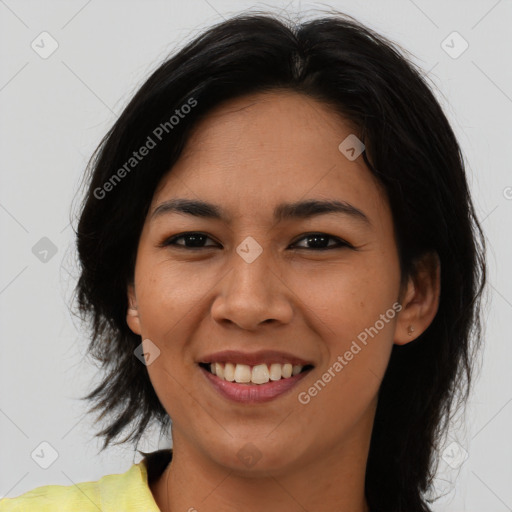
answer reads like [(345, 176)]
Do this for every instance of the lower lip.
[(253, 393)]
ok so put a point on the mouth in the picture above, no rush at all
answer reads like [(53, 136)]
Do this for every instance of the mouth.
[(253, 384), (258, 374)]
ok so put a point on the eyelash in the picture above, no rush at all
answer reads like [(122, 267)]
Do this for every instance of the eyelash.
[(340, 242)]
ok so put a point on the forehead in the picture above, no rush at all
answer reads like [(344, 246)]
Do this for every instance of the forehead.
[(253, 152), (259, 126)]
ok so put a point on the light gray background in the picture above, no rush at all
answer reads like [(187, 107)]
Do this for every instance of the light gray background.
[(54, 112)]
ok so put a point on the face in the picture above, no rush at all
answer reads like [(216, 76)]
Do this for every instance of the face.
[(313, 286)]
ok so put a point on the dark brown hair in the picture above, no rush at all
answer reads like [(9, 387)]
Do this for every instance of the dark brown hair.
[(410, 149)]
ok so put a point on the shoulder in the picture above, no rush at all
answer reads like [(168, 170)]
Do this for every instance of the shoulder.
[(127, 491)]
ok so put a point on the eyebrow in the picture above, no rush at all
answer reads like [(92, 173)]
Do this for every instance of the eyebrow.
[(296, 210)]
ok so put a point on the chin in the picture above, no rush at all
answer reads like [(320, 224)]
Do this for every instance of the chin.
[(254, 456)]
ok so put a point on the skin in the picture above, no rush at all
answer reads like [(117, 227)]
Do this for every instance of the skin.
[(247, 156)]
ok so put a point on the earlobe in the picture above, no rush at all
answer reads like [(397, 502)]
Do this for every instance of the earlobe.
[(132, 313), (421, 300)]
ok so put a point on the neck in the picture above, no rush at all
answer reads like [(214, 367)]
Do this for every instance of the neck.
[(331, 481)]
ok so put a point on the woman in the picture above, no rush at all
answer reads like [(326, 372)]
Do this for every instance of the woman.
[(279, 252)]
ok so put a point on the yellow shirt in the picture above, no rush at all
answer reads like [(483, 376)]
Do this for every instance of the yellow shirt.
[(126, 492)]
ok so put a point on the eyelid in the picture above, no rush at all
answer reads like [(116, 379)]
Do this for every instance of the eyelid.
[(168, 241), (340, 241)]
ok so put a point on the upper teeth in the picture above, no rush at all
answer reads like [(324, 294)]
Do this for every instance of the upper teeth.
[(259, 374)]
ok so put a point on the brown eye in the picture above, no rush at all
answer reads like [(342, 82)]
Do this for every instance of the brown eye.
[(193, 240), (320, 241), (314, 241)]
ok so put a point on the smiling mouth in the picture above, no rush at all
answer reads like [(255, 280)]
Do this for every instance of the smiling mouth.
[(254, 374)]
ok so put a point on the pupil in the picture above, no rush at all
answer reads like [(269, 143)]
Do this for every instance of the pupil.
[(196, 239), (315, 239)]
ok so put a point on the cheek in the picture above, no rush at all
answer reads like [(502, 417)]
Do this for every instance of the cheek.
[(166, 295), (170, 387), (347, 299), (353, 314), (356, 325)]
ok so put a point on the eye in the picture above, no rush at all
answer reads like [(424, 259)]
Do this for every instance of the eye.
[(319, 240), (195, 240)]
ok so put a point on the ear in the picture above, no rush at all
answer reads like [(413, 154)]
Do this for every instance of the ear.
[(420, 299), (132, 315)]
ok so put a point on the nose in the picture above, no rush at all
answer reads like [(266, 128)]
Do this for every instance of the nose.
[(253, 293)]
